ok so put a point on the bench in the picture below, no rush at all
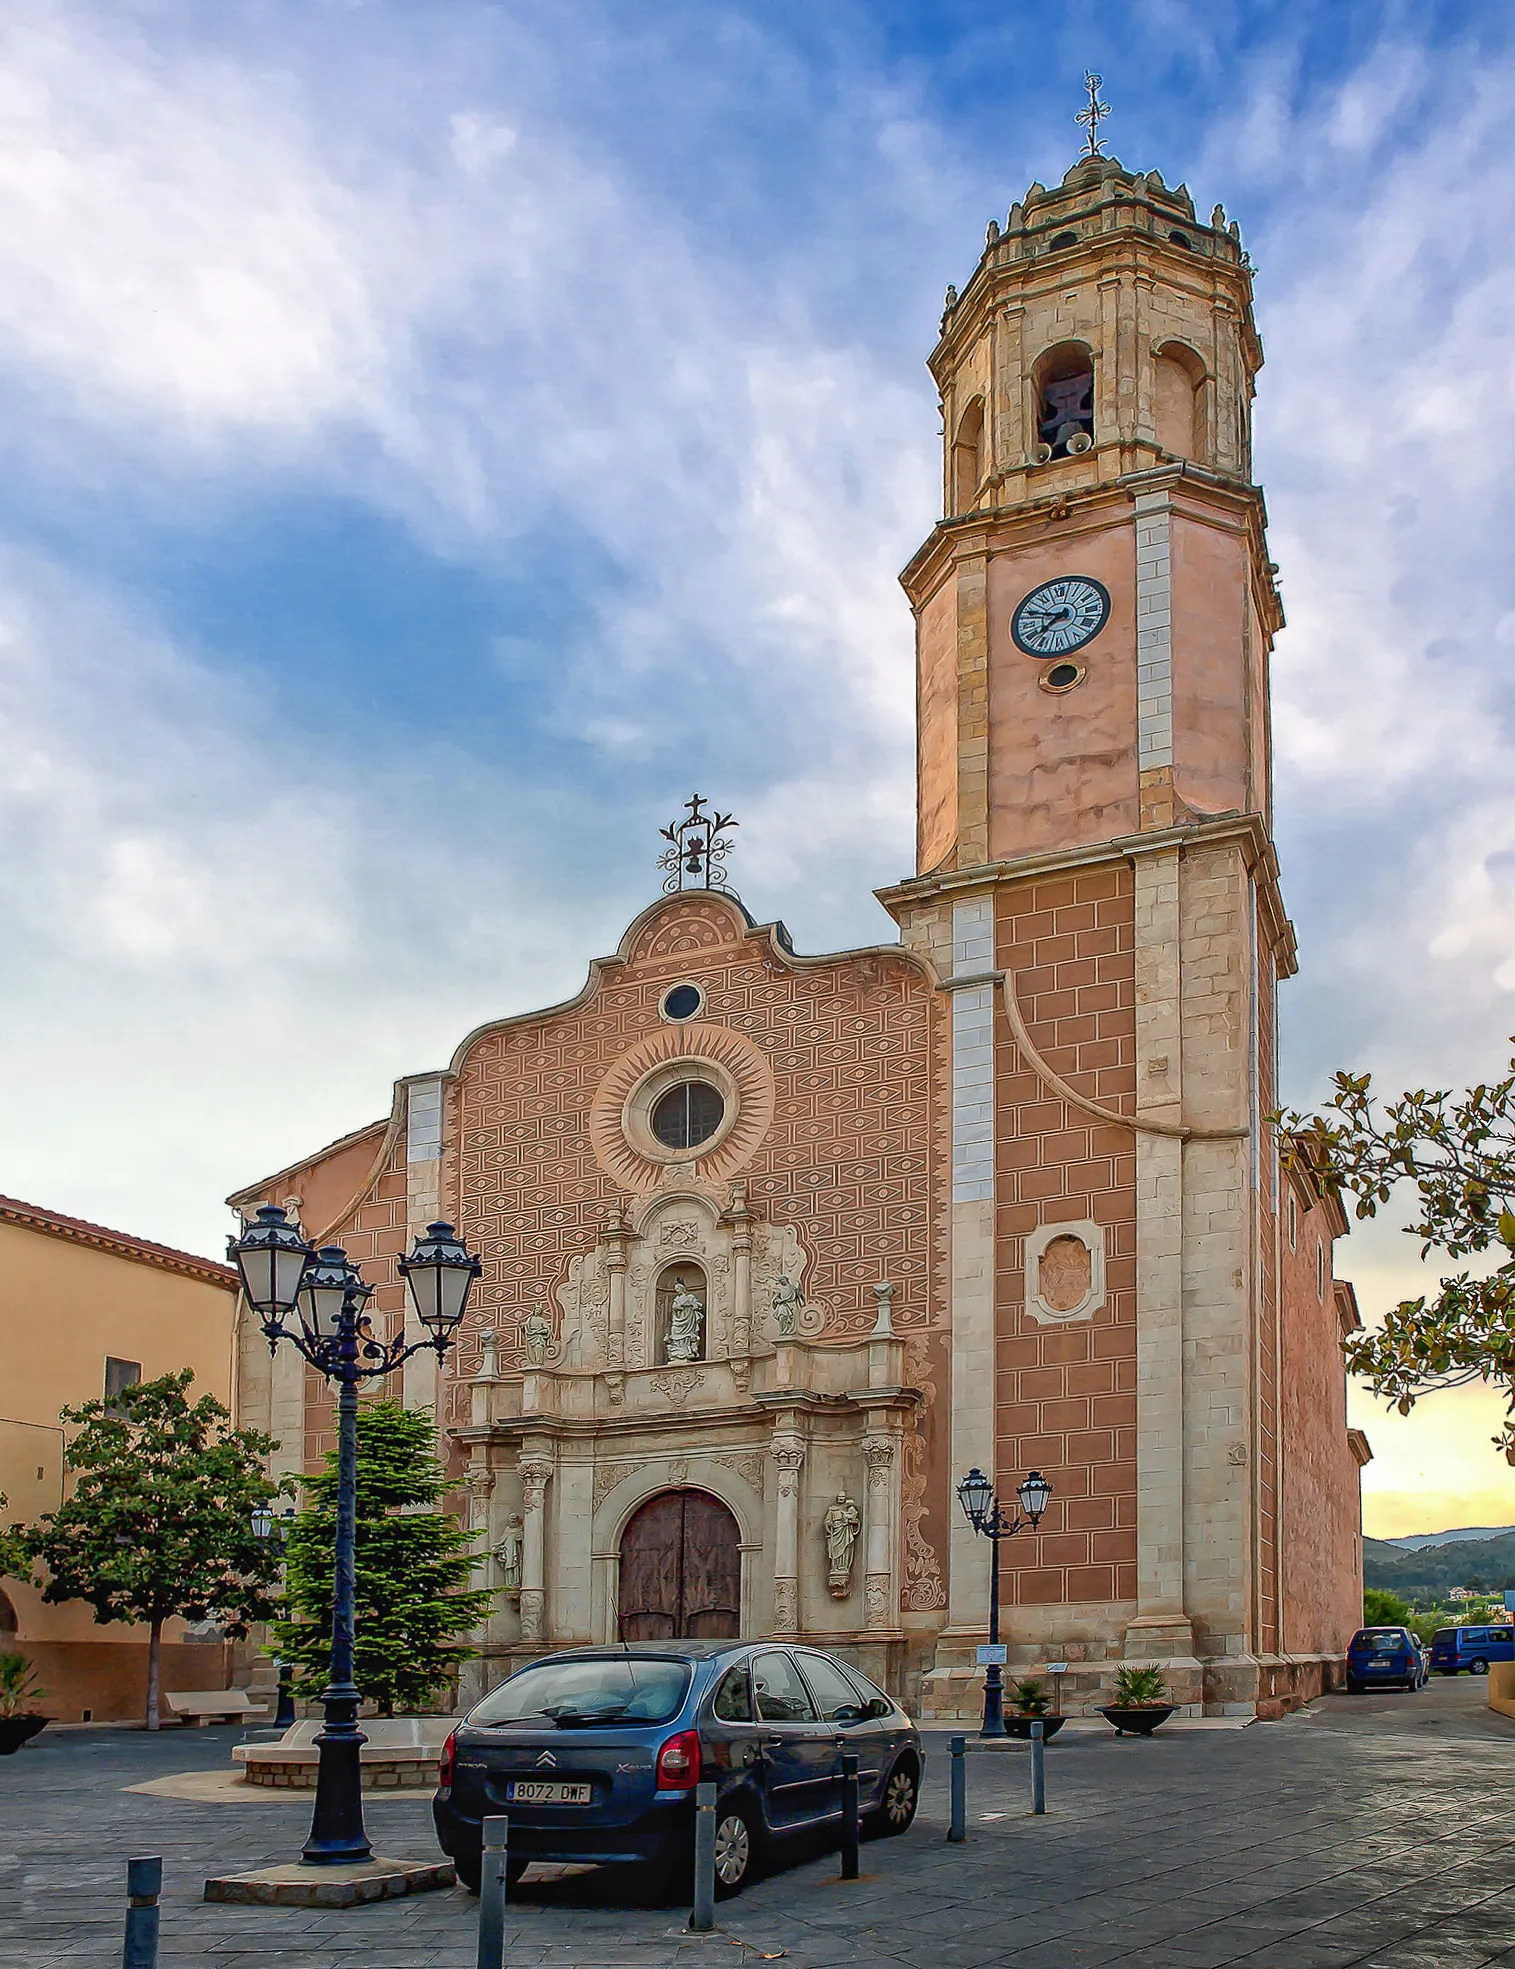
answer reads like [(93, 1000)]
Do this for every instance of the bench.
[(204, 1706)]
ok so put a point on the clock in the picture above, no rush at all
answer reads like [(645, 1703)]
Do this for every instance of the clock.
[(1060, 616)]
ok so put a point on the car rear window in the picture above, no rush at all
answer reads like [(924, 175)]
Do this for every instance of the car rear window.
[(573, 1694), (1380, 1640), (1446, 1634)]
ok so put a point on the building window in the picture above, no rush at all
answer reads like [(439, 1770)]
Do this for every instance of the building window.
[(1293, 1223), (1178, 389), (120, 1375), (683, 1002), (687, 1115), (968, 457), (1065, 400), (1320, 1271)]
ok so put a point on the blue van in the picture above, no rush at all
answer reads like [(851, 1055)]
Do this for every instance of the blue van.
[(1473, 1648), (1384, 1656)]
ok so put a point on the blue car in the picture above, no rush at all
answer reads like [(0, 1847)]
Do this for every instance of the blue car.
[(1383, 1656), (593, 1755), (1473, 1648)]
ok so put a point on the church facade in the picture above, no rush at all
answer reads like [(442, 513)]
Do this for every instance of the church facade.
[(777, 1246)]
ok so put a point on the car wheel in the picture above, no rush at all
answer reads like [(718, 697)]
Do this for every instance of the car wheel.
[(902, 1794), (1478, 1667), (735, 1852), (1354, 1687)]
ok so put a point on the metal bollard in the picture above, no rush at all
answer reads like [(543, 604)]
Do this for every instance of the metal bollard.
[(702, 1914), (1038, 1767), (144, 1883), (285, 1712), (849, 1815), (492, 1891), (957, 1831)]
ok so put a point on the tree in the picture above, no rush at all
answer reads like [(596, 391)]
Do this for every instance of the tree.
[(1381, 1608), (1458, 1154), (413, 1564), (159, 1522)]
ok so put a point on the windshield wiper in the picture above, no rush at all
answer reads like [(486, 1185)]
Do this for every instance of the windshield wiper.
[(577, 1719)]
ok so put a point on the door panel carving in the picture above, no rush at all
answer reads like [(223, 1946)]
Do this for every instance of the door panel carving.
[(681, 1570)]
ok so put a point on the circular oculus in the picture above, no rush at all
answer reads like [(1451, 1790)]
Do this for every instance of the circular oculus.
[(1061, 615)]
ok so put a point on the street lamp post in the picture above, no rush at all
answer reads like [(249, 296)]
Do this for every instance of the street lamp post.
[(267, 1524), (286, 1279), (981, 1507)]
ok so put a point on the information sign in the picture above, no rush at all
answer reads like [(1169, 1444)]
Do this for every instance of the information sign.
[(993, 1654)]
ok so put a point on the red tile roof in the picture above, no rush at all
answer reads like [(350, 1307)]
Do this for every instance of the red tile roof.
[(121, 1244)]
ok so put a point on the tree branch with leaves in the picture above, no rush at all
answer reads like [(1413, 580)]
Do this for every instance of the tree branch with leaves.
[(158, 1525), (1457, 1152)]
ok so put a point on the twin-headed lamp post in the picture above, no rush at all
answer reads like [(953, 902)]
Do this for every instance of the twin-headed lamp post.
[(981, 1507), (286, 1279)]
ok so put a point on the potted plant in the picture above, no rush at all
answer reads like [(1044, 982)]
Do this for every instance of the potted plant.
[(1030, 1703), (18, 1690), (1141, 1702)]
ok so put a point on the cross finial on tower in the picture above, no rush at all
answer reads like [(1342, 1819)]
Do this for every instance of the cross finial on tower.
[(698, 845), (1093, 116)]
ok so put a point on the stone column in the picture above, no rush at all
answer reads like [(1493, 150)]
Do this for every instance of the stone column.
[(788, 1453), (740, 1218), (615, 1234), (1161, 1627), (480, 1491), (536, 1474), (881, 1577)]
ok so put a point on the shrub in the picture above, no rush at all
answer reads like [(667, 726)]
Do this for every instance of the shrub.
[(19, 1687), (1139, 1688), (1030, 1697)]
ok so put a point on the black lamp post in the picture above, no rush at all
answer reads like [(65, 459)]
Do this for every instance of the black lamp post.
[(981, 1507), (284, 1279), (266, 1523)]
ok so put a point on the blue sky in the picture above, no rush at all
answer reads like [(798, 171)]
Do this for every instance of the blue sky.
[(437, 437)]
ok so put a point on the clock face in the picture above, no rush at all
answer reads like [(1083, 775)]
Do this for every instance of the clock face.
[(1061, 616)]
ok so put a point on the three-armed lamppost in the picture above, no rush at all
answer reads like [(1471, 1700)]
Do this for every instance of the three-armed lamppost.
[(287, 1279), (981, 1507)]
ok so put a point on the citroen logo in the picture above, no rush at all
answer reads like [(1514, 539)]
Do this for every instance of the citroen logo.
[(548, 1759)]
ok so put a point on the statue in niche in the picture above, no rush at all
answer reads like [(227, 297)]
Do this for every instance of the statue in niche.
[(685, 1323), (841, 1525), (788, 1304), (508, 1555), (537, 1335)]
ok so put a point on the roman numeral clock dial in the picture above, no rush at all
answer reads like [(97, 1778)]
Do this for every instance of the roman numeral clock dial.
[(1056, 620)]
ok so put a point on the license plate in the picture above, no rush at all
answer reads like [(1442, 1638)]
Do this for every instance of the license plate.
[(1379, 1667), (534, 1791)]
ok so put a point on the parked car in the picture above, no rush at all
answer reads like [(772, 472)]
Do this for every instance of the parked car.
[(593, 1755), (1382, 1656), (1473, 1648)]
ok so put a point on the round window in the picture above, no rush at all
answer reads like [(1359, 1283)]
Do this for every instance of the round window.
[(687, 1115), (683, 1002), (1062, 677)]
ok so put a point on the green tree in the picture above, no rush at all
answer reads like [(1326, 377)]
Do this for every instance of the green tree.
[(413, 1563), (15, 1559), (1457, 1153), (1380, 1608), (158, 1524)]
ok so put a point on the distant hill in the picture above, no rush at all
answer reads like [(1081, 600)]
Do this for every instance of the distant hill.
[(1436, 1569), (1422, 1539)]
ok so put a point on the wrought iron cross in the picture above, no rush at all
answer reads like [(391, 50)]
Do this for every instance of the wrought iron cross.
[(698, 847), (1093, 116)]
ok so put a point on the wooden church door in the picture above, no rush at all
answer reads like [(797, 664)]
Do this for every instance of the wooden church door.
[(681, 1571)]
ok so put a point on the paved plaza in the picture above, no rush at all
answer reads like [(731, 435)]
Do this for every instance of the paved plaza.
[(1376, 1831)]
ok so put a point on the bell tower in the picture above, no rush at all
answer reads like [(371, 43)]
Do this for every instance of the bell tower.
[(1097, 887)]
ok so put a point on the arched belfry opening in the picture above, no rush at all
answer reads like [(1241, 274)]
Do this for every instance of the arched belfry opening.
[(680, 1570), (1178, 402), (1065, 399), (968, 457)]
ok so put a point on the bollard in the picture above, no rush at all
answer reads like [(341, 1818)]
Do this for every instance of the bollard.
[(1038, 1767), (957, 1831), (144, 1883), (492, 1887), (702, 1914), (284, 1715), (849, 1815)]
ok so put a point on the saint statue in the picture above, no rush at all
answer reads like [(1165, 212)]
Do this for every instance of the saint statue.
[(508, 1555), (841, 1525), (536, 1331), (686, 1317), (788, 1304)]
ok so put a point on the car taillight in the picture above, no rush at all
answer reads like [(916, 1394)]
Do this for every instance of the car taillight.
[(448, 1759), (679, 1762)]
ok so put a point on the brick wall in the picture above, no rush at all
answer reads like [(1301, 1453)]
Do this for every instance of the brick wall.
[(1066, 1401)]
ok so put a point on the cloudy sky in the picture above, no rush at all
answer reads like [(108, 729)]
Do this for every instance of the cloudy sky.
[(438, 436)]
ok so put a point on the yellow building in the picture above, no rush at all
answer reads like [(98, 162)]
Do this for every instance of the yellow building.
[(83, 1312)]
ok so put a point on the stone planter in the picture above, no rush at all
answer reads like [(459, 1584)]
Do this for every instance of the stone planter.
[(1138, 1722), (17, 1730), (1020, 1726)]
